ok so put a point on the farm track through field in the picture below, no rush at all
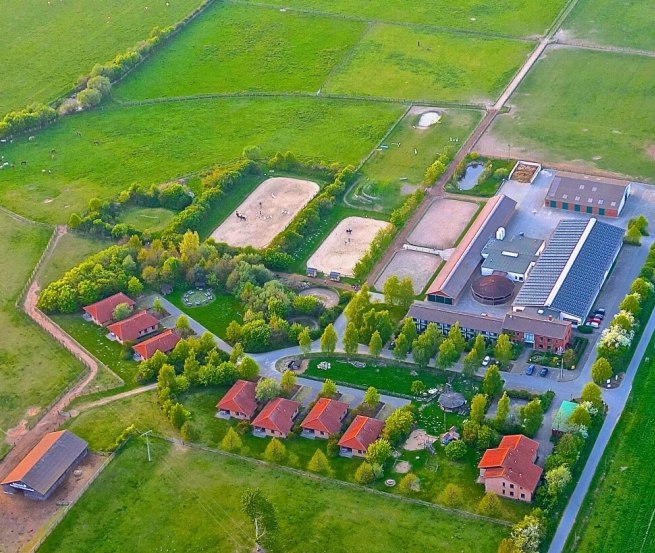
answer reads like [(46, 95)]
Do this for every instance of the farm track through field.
[(582, 45)]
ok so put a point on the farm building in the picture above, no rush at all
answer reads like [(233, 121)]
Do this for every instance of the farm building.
[(361, 433), (134, 327), (540, 333), (163, 342), (102, 312), (452, 280), (509, 470), (591, 195), (471, 324), (513, 258), (324, 419), (572, 269), (46, 466), (239, 402), (560, 424), (276, 418), (492, 289)]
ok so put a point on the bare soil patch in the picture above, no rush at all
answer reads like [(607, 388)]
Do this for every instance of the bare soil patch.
[(442, 223), (328, 297), (418, 266), (266, 212), (650, 151), (342, 250)]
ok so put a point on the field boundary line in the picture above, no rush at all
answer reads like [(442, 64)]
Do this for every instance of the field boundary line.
[(606, 49), (561, 18), (21, 218)]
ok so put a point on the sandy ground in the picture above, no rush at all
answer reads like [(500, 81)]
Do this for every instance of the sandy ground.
[(329, 298), (341, 251), (418, 266), (417, 440), (23, 520), (442, 223), (268, 211)]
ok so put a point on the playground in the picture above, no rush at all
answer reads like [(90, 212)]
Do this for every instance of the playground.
[(266, 212), (442, 224)]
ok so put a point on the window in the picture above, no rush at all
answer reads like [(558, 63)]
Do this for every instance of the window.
[(511, 486), (577, 198), (503, 484), (565, 205), (522, 496), (511, 494), (601, 211), (553, 203), (590, 209), (503, 492), (565, 196), (601, 201)]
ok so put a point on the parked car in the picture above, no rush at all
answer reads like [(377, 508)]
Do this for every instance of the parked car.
[(486, 361), (529, 370), (594, 323), (543, 371), (600, 311)]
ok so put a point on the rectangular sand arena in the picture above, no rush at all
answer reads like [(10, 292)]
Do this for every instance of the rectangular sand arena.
[(266, 212), (442, 224), (418, 266), (341, 250)]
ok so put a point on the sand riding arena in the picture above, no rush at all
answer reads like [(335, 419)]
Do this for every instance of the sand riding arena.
[(266, 212), (442, 224)]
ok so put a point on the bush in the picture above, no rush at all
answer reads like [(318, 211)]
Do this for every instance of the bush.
[(455, 450), (451, 496)]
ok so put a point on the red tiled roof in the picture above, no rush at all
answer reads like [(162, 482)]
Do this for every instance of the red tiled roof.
[(129, 329), (33, 457), (240, 398), (103, 310), (163, 342), (361, 433), (514, 460), (277, 415), (326, 416)]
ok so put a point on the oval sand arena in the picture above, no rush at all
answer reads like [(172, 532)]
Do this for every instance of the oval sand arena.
[(266, 212), (345, 246)]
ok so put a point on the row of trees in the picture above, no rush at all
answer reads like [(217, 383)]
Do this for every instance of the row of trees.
[(34, 116)]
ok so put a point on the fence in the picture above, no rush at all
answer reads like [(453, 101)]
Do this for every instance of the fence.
[(46, 252)]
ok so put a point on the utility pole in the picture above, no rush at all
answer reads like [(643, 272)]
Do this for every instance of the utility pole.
[(146, 434)]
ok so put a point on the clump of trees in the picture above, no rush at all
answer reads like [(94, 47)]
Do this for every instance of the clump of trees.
[(637, 227), (33, 117), (366, 319)]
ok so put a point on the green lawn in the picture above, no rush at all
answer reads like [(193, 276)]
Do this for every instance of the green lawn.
[(526, 18), (129, 507), (628, 23), (148, 219), (419, 64), (158, 142), (595, 108), (50, 45), (618, 509), (34, 370), (216, 316), (488, 187), (275, 47)]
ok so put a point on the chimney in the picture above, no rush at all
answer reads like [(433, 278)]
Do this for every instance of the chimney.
[(550, 317)]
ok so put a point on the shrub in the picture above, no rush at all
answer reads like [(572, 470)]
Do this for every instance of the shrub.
[(455, 450), (451, 496)]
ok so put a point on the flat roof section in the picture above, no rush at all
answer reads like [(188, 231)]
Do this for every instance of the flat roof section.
[(511, 256), (590, 191)]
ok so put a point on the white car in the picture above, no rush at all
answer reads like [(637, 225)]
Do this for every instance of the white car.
[(486, 361)]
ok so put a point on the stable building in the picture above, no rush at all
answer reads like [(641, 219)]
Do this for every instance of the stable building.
[(512, 258), (471, 324), (590, 195)]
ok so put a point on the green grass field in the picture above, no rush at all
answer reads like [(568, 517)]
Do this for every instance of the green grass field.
[(148, 219), (33, 368), (618, 509), (628, 24), (157, 142), (130, 507), (501, 16), (49, 45), (279, 53), (595, 108), (215, 316), (419, 64)]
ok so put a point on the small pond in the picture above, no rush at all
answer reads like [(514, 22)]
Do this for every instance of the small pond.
[(471, 176)]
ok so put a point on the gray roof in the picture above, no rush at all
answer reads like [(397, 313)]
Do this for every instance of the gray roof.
[(439, 313), (534, 324), (511, 256), (596, 192)]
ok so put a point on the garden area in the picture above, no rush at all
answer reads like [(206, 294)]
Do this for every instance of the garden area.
[(216, 315)]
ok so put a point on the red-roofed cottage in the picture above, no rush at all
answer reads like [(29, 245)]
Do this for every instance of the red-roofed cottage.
[(509, 470), (239, 401), (163, 342), (360, 434), (276, 419), (131, 329), (324, 419), (102, 312)]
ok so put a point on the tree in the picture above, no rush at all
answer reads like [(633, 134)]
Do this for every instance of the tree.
[(568, 358), (319, 463), (455, 336), (470, 363), (489, 505), (351, 339), (237, 353), (134, 286), (601, 370), (305, 341), (275, 451), (401, 348), (580, 417), (267, 389), (329, 389), (158, 307), (409, 330), (417, 387), (178, 415), (631, 303), (421, 353), (371, 397), (378, 452), (557, 479), (478, 408), (492, 384), (486, 437), (455, 450), (591, 392), (502, 412), (359, 304), (527, 534), (470, 430), (447, 354), (623, 320), (288, 380), (451, 496), (261, 512), (121, 311), (532, 415), (633, 236), (406, 293), (409, 483), (74, 221), (375, 345), (329, 339), (399, 424), (248, 368), (642, 287), (479, 347), (231, 441), (503, 350), (183, 327), (507, 546), (364, 474), (391, 290)]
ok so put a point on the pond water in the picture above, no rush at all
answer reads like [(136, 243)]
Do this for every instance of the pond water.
[(471, 176)]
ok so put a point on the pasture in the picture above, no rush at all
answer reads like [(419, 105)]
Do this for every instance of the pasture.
[(611, 23), (266, 212), (418, 266), (507, 17), (443, 223), (281, 56), (341, 250), (157, 142), (584, 109), (419, 64), (49, 45), (147, 219)]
